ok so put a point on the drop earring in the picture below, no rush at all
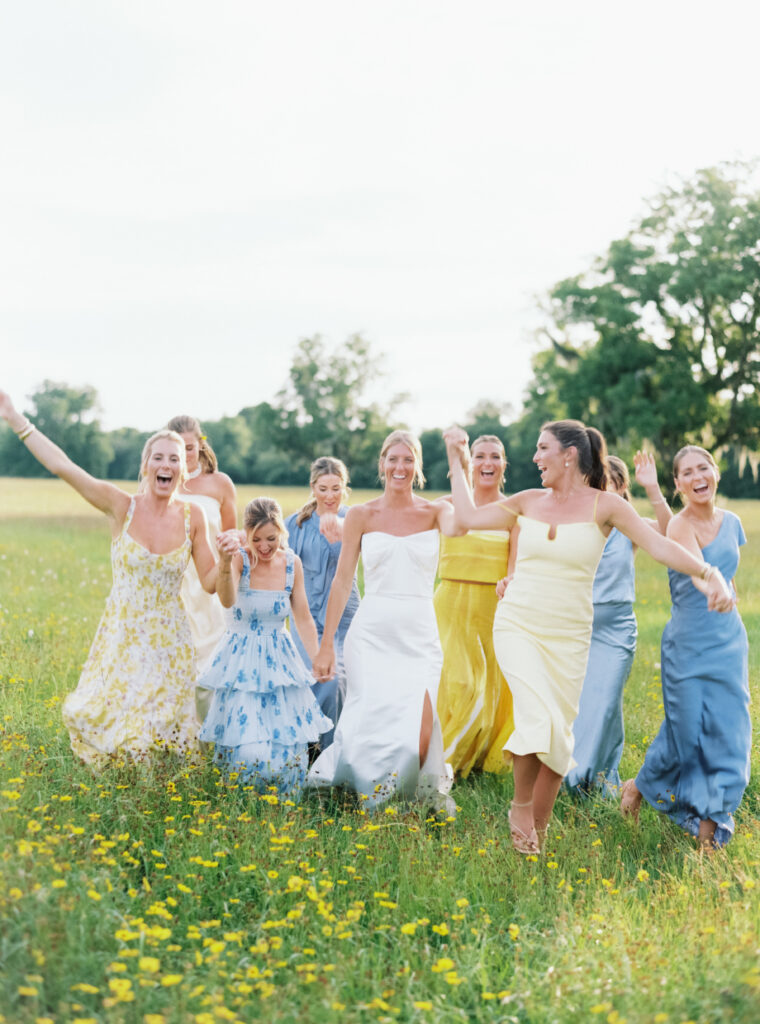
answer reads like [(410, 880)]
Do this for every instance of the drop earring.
[(566, 465)]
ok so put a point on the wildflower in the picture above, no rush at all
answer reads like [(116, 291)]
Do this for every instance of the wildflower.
[(409, 928), (442, 964), (422, 1004), (463, 902), (27, 990), (441, 929), (149, 964), (642, 875), (59, 883), (514, 931)]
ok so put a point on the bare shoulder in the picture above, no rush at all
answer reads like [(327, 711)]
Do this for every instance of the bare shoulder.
[(223, 481), (521, 501), (680, 527)]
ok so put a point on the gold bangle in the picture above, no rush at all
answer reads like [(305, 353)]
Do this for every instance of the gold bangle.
[(27, 430), (23, 427), (708, 571)]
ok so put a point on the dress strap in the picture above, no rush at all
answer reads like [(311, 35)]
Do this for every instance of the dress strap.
[(187, 505), (128, 516), (246, 564), (596, 502), (290, 569)]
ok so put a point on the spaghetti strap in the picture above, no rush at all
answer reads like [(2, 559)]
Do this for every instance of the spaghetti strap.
[(290, 562), (128, 516)]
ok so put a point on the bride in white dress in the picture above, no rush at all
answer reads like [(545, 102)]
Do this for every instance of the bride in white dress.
[(214, 492), (388, 737)]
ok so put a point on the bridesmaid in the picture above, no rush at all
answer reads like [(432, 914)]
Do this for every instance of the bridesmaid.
[(542, 629), (214, 492), (315, 533), (388, 738), (136, 690), (697, 768), (474, 702), (598, 730)]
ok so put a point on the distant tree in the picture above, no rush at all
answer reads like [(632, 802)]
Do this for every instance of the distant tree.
[(127, 444), (322, 410), (68, 415), (661, 339)]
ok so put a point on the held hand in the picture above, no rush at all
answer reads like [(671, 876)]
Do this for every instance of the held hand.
[(323, 666), (501, 586), (645, 469), (456, 445), (331, 527), (719, 596), (227, 544)]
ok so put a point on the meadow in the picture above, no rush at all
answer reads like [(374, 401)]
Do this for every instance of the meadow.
[(158, 894)]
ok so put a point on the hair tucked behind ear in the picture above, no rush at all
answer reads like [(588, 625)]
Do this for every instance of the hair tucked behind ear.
[(190, 425), (325, 465), (590, 445)]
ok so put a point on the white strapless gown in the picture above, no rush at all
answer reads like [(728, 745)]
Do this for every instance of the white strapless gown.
[(205, 612), (392, 659)]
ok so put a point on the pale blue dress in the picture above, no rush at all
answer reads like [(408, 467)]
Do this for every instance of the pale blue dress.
[(697, 767), (262, 714), (598, 729), (320, 560)]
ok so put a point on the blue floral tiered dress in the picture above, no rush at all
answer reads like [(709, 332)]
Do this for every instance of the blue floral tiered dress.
[(263, 714)]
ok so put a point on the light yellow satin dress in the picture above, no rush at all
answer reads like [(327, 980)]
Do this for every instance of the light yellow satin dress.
[(542, 633), (474, 702)]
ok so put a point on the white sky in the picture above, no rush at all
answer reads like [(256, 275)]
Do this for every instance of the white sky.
[(190, 188)]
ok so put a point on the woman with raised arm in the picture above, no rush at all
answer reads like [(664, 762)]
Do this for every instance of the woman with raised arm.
[(474, 702), (543, 624), (697, 767), (137, 688), (315, 533), (214, 492), (598, 731), (388, 737), (262, 715)]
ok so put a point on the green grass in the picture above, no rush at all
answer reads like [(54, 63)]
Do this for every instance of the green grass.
[(148, 894)]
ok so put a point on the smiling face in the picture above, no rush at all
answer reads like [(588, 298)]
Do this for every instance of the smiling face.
[(550, 458), (328, 492), (399, 467), (488, 465), (696, 477), (264, 541), (164, 467)]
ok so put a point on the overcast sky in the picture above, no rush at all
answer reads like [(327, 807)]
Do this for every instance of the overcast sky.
[(190, 188)]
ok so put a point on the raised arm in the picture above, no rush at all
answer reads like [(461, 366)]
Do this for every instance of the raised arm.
[(497, 515), (106, 497), (203, 556), (228, 568), (614, 511), (645, 471), (323, 665), (299, 606)]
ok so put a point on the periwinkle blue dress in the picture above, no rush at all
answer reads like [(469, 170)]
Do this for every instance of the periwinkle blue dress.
[(598, 729), (697, 767), (263, 714), (320, 560)]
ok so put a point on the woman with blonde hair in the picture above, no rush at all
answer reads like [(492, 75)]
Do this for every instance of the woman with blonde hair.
[(388, 738), (262, 715), (697, 767), (136, 692), (214, 493), (474, 702), (315, 533)]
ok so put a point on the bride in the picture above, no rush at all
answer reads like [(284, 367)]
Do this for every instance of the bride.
[(388, 738)]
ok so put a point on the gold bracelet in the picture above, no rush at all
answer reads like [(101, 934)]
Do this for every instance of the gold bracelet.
[(28, 429), (708, 571), (23, 427)]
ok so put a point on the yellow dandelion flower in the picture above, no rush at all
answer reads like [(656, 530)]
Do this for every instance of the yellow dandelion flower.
[(514, 931), (149, 964), (409, 928), (171, 979), (422, 1004), (642, 875), (441, 929), (442, 964), (463, 902), (27, 990), (59, 883)]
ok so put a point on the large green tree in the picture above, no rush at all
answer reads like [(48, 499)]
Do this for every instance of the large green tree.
[(660, 339)]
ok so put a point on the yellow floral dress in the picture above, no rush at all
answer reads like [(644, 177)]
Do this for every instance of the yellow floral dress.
[(137, 688), (474, 701)]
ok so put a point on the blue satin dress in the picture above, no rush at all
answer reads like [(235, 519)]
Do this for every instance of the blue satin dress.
[(598, 729), (320, 560), (697, 767)]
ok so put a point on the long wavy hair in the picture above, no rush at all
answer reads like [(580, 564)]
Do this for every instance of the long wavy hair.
[(325, 465)]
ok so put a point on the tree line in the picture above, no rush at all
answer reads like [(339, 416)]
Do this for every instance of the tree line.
[(657, 343)]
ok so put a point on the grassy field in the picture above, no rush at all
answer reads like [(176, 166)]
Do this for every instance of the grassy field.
[(162, 894)]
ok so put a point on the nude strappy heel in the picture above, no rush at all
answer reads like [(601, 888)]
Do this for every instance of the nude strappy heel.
[(523, 842)]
